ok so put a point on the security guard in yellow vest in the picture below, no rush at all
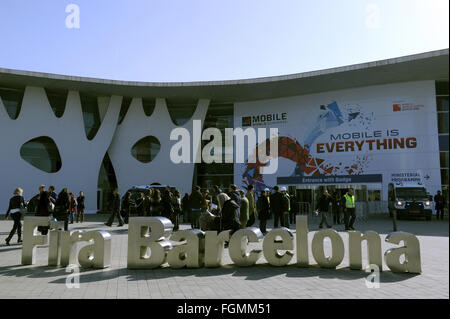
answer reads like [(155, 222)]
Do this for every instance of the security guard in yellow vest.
[(349, 212)]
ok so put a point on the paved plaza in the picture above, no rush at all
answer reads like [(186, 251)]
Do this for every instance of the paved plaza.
[(229, 281)]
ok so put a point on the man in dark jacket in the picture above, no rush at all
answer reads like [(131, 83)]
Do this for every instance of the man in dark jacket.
[(439, 203), (42, 208), (323, 205), (52, 195), (263, 208), (276, 207), (234, 195), (197, 204), (115, 208)]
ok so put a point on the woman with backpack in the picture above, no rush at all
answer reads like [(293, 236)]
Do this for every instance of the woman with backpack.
[(16, 206), (63, 207)]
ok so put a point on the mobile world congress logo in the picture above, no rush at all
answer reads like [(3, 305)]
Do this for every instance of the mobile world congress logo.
[(264, 119), (399, 107)]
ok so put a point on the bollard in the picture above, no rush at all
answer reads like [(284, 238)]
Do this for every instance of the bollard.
[(394, 219)]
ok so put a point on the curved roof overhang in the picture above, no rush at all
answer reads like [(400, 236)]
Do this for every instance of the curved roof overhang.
[(432, 65)]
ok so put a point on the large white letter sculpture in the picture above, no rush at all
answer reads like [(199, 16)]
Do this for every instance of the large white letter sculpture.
[(238, 246), (144, 234), (411, 250)]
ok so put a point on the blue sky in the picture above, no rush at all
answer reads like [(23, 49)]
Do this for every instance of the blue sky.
[(181, 40)]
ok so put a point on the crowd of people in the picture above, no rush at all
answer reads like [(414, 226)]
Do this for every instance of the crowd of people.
[(219, 210), (62, 207)]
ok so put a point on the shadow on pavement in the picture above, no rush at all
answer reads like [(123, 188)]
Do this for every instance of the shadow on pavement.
[(257, 272)]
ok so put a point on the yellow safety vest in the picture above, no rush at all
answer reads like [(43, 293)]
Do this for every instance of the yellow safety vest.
[(349, 201)]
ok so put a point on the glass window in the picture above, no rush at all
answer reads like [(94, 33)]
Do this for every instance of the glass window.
[(42, 153), (442, 103), (91, 115), (443, 122), (126, 101), (149, 106), (107, 182), (57, 100), (444, 176), (441, 87), (444, 159), (181, 113), (12, 99), (146, 149)]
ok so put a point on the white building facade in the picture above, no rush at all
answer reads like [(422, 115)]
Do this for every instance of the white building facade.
[(365, 125)]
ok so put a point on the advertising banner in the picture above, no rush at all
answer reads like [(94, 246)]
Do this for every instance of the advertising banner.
[(377, 134)]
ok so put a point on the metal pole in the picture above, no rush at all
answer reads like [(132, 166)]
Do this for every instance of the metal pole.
[(394, 219)]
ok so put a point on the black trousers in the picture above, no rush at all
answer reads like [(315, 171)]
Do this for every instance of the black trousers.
[(278, 216), (336, 215), (349, 217), (175, 221), (324, 218), (195, 218), (111, 218), (263, 224), (16, 227), (292, 217), (441, 211)]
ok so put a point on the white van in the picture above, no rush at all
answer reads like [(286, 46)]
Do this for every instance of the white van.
[(409, 200)]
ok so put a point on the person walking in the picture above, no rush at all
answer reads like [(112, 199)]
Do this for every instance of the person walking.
[(439, 205), (323, 205), (80, 207), (73, 207), (147, 203), (63, 208), (125, 207), (115, 209), (229, 215), (336, 208), (177, 211), (167, 204), (276, 207), (252, 211), (185, 205), (139, 207), (52, 197), (263, 207), (197, 203), (215, 194), (349, 213), (244, 209), (156, 203), (43, 208), (286, 207), (294, 208), (16, 206), (235, 196)]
